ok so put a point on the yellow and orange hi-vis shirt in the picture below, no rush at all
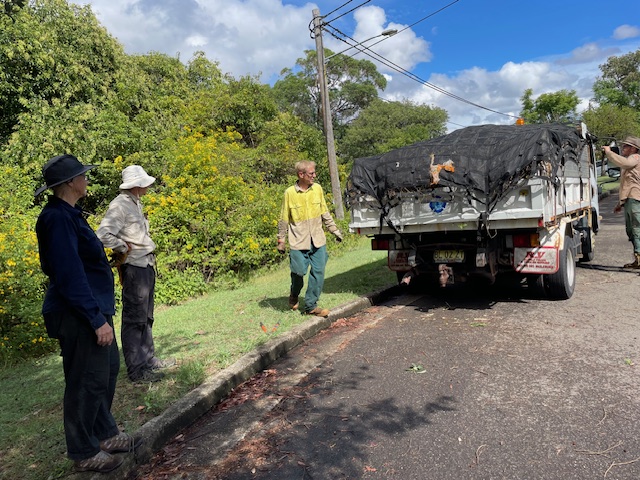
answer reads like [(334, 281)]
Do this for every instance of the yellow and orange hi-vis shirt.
[(302, 216)]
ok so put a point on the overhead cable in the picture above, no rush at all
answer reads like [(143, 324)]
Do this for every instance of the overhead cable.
[(393, 66), (345, 13)]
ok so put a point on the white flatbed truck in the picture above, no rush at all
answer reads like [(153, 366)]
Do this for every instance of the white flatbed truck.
[(481, 202)]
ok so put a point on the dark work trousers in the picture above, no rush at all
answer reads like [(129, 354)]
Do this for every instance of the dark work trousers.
[(90, 373), (138, 286)]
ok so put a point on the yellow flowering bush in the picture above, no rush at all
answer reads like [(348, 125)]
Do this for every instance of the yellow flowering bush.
[(22, 332), (209, 216)]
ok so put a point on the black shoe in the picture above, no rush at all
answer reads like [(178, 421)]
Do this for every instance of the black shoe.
[(148, 376)]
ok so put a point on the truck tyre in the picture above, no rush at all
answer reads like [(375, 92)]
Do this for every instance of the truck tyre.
[(560, 285), (588, 242), (536, 286)]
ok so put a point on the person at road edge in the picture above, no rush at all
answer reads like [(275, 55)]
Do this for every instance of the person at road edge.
[(78, 310), (304, 212), (125, 230), (629, 162)]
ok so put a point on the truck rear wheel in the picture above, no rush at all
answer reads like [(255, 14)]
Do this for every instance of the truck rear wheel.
[(588, 229), (536, 286), (588, 242), (560, 285)]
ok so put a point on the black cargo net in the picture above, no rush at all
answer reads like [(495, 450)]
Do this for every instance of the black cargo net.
[(484, 162)]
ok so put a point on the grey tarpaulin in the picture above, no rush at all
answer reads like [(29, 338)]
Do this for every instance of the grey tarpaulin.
[(487, 161)]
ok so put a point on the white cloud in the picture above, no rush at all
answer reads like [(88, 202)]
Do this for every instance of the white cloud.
[(499, 91), (626, 31), (196, 40), (405, 49), (588, 52), (245, 37), (261, 37)]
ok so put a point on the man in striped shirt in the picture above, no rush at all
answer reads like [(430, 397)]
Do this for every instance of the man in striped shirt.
[(304, 212)]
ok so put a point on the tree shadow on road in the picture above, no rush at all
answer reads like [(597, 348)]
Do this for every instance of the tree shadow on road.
[(305, 438)]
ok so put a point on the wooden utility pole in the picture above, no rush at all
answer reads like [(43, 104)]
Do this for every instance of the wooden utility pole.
[(336, 190)]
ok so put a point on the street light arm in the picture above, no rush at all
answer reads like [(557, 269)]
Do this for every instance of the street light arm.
[(385, 33)]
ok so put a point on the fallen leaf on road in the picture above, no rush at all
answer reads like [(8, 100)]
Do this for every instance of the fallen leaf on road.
[(416, 368)]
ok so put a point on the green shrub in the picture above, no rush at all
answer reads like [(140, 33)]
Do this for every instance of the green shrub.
[(173, 286)]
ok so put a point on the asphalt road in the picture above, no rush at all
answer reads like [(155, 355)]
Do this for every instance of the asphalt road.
[(463, 385)]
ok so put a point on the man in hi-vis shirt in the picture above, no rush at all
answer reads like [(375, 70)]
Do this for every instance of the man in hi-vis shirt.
[(304, 211)]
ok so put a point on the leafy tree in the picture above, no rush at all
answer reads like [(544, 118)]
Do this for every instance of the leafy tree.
[(282, 142), (244, 105), (609, 122), (52, 51), (207, 217), (383, 126), (620, 81), (352, 84), (203, 74), (11, 5), (552, 107), (48, 129)]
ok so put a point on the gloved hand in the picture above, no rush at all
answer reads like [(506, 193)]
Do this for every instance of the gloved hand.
[(338, 235), (118, 258), (282, 247)]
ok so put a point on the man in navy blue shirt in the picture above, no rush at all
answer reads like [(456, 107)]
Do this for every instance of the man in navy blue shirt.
[(78, 308)]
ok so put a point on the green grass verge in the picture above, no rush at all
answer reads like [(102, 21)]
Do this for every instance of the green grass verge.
[(205, 334), (608, 184)]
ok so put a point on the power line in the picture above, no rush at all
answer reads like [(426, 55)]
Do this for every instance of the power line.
[(388, 63), (428, 16), (338, 8), (345, 13), (312, 27), (397, 68)]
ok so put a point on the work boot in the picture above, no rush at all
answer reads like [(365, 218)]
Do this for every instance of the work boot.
[(318, 312), (293, 302), (157, 364), (147, 376), (121, 443), (102, 462), (635, 263)]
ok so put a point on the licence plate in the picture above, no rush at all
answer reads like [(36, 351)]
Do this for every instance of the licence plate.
[(448, 256)]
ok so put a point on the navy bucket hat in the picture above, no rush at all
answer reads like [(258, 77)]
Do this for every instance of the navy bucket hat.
[(61, 169)]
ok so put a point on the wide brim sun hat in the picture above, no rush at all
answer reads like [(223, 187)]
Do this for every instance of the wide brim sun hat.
[(135, 176), (633, 141), (61, 169)]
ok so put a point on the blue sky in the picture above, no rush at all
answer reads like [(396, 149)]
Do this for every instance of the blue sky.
[(486, 52)]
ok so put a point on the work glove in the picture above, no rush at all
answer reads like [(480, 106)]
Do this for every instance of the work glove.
[(338, 235), (282, 247), (118, 258)]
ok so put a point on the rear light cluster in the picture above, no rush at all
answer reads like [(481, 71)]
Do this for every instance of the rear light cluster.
[(526, 240), (379, 244)]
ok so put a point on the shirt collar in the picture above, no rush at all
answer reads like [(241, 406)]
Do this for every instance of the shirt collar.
[(58, 202), (135, 198), (298, 189)]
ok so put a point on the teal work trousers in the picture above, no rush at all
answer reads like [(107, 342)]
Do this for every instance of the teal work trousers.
[(313, 261)]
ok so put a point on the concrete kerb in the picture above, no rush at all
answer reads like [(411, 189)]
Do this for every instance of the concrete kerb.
[(158, 431)]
